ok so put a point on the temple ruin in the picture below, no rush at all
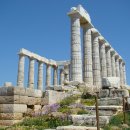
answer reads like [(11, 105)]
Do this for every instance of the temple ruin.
[(100, 66)]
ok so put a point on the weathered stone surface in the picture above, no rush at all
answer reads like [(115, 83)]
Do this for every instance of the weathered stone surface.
[(33, 92), (33, 101), (37, 107), (9, 122), (119, 93), (111, 82), (75, 128), (16, 99), (44, 101), (13, 108), (8, 84), (89, 120), (104, 93), (11, 91), (55, 96), (110, 101), (11, 116)]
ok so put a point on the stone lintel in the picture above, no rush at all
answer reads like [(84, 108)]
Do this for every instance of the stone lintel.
[(36, 57)]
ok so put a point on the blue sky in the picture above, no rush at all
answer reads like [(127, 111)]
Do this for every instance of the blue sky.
[(42, 26)]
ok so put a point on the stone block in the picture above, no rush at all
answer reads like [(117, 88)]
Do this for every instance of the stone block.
[(8, 84), (31, 101), (104, 93), (44, 101), (113, 82), (11, 91), (119, 93), (33, 92), (16, 99), (110, 101), (13, 108), (11, 116), (37, 107), (76, 128), (9, 122)]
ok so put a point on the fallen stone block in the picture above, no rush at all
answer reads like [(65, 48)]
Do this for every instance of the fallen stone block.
[(9, 122), (11, 116), (11, 91), (13, 108)]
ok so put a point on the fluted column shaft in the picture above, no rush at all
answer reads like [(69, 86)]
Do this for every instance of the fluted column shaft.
[(108, 60), (96, 63), (87, 55), (20, 77), (48, 75), (113, 64), (61, 76), (124, 74), (117, 67), (121, 72), (103, 60), (55, 74), (40, 76), (31, 73), (76, 61)]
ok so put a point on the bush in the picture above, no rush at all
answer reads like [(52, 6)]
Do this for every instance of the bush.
[(80, 112), (88, 102), (69, 100), (65, 109)]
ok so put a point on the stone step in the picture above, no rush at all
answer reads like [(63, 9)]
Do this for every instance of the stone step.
[(76, 128), (89, 120), (104, 110), (110, 101)]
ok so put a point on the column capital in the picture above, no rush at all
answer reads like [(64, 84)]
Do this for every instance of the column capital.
[(113, 52)]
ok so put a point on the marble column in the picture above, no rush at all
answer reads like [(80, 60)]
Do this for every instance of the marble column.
[(31, 73), (117, 66), (124, 74), (113, 63), (87, 55), (48, 75), (55, 76), (61, 77), (103, 60), (66, 70), (121, 71), (108, 61), (40, 75), (20, 77), (76, 61), (96, 62)]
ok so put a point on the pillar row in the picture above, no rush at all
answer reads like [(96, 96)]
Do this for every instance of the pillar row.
[(76, 61), (40, 75), (20, 77), (61, 76), (113, 63), (48, 75), (55, 76), (108, 61), (87, 55), (96, 62), (31, 73), (103, 60)]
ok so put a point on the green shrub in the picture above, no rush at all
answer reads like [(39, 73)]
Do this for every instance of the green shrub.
[(69, 100), (87, 95), (80, 112), (65, 109), (88, 102)]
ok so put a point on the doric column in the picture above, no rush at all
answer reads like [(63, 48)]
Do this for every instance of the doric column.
[(96, 62), (87, 55), (20, 77), (117, 66), (48, 75), (103, 60), (40, 75), (108, 60), (113, 63), (55, 74), (76, 61), (124, 74), (31, 73), (121, 71), (61, 76), (66, 72)]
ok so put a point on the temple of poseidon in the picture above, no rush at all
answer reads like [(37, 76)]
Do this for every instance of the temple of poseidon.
[(98, 65)]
